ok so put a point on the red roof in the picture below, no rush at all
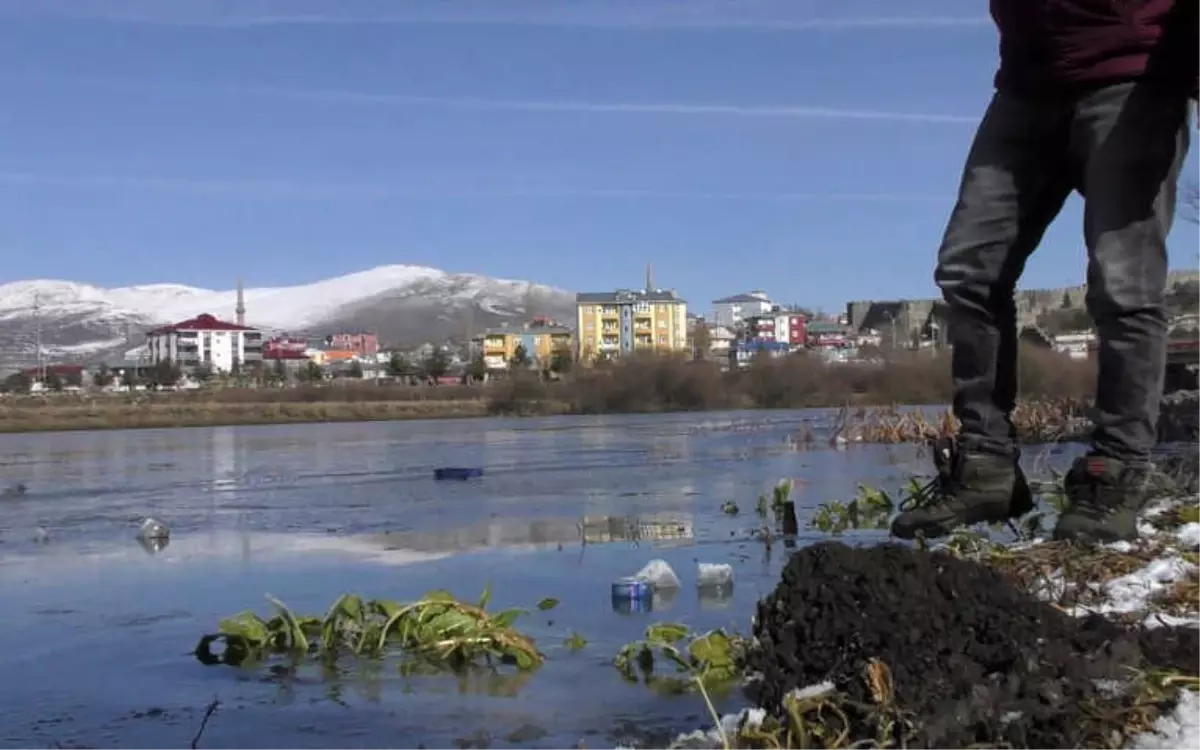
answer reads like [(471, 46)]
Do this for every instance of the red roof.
[(59, 370), (202, 322)]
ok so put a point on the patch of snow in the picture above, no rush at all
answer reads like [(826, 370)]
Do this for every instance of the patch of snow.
[(1189, 534), (86, 347), (812, 691), (1132, 592), (730, 724), (293, 307), (1180, 729)]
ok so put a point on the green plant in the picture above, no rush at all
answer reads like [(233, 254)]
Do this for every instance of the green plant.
[(437, 629), (710, 660), (872, 508), (729, 508)]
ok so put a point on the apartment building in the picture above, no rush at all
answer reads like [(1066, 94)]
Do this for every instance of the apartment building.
[(612, 324), (731, 312), (540, 338), (205, 341), (364, 343), (778, 326)]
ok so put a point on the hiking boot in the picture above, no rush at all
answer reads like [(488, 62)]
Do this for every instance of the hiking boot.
[(1104, 497), (970, 488)]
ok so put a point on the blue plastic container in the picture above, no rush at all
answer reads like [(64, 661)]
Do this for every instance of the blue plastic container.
[(457, 472)]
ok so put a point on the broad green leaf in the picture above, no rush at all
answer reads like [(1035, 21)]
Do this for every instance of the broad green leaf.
[(524, 660), (486, 597), (713, 651), (575, 642), (506, 618), (296, 640), (666, 632), (547, 604), (385, 607), (245, 625)]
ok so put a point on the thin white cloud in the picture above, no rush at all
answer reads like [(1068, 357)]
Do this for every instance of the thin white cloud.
[(778, 111), (293, 190), (749, 15)]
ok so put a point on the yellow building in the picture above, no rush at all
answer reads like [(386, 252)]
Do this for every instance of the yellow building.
[(540, 340), (612, 324)]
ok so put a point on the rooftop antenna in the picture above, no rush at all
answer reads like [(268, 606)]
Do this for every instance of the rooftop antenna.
[(241, 303), (649, 277)]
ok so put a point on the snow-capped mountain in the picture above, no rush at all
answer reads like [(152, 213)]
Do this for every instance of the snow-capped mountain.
[(404, 304)]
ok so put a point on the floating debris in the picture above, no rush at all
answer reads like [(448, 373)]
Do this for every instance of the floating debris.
[(152, 529)]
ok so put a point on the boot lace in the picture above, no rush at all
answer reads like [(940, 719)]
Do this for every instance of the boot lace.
[(943, 487)]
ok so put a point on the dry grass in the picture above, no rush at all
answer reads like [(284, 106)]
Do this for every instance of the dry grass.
[(668, 383), (1183, 598), (635, 385), (1047, 420), (123, 414), (1065, 574)]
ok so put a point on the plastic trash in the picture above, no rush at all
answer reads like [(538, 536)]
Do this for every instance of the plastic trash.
[(40, 535), (153, 546), (714, 575), (659, 575), (152, 529)]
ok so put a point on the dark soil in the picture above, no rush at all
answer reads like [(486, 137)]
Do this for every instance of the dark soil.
[(973, 659)]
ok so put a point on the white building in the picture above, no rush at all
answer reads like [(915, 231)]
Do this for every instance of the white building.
[(731, 311), (205, 341), (1076, 345)]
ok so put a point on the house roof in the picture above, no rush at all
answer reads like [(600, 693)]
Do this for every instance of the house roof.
[(202, 322), (824, 326), (623, 296), (553, 330), (735, 299), (273, 354), (59, 370)]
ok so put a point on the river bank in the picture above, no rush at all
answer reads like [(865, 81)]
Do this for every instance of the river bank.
[(640, 385), (1038, 421)]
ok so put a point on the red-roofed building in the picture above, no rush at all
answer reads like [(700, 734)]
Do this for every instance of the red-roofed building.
[(69, 375), (205, 341), (364, 343)]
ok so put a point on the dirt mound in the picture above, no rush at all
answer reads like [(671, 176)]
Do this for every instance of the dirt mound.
[(972, 658)]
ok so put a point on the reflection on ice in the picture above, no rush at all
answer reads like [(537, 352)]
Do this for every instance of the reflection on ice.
[(400, 548)]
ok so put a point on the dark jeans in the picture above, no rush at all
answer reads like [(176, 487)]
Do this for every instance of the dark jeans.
[(1121, 147)]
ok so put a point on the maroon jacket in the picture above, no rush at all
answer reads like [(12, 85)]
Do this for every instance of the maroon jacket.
[(1048, 45)]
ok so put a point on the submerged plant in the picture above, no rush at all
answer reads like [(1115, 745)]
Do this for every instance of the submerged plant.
[(437, 629), (872, 508), (710, 660)]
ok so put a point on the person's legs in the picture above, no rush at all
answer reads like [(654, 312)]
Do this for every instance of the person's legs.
[(1132, 139), (1016, 178)]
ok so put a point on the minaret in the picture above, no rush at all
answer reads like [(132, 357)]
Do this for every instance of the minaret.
[(241, 303), (649, 277)]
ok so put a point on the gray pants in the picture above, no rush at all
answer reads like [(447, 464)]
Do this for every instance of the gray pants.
[(1121, 147)]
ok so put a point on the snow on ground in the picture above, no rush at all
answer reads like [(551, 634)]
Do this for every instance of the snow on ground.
[(1180, 729)]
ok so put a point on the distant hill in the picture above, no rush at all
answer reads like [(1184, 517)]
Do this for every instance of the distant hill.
[(405, 305)]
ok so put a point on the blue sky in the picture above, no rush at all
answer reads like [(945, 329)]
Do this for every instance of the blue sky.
[(810, 148)]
